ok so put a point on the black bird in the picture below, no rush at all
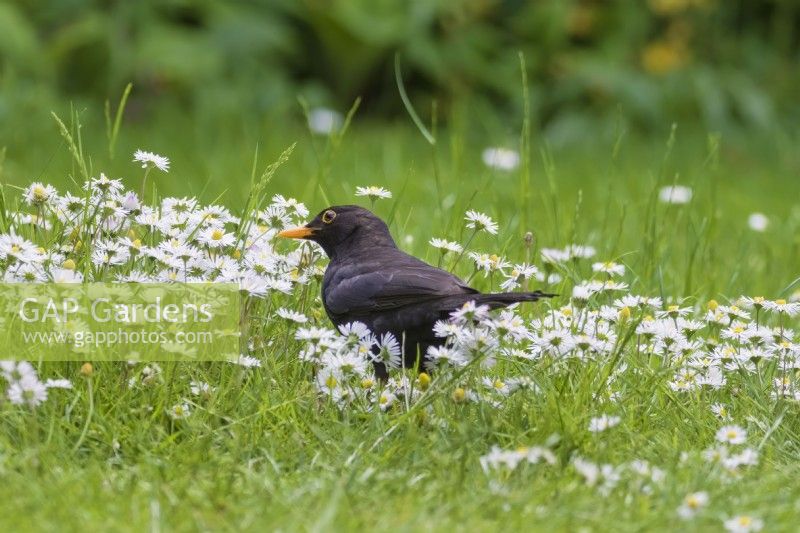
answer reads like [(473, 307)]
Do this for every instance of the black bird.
[(370, 280)]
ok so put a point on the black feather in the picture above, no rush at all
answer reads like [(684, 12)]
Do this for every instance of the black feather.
[(371, 281)]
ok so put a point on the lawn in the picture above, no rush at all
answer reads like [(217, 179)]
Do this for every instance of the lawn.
[(617, 426)]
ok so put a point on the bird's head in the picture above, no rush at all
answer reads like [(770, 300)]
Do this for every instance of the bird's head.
[(344, 228)]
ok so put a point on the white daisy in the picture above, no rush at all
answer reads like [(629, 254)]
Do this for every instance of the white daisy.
[(602, 423), (500, 158), (151, 160), (216, 238), (445, 246), (677, 194), (610, 268), (758, 222), (324, 121), (731, 434), (179, 411), (743, 524), (292, 316), (693, 503), (38, 194), (373, 192), (27, 391), (480, 222)]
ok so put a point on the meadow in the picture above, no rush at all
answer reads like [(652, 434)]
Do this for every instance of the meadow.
[(648, 395)]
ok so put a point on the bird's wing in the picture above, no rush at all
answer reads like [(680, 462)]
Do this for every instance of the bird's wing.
[(364, 290)]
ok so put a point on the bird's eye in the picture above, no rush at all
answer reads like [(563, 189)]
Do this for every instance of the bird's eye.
[(328, 216)]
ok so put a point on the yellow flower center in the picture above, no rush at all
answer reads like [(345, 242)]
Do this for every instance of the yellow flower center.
[(39, 193), (424, 380), (217, 234), (459, 395)]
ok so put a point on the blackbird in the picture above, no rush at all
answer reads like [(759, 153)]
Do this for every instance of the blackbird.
[(370, 280)]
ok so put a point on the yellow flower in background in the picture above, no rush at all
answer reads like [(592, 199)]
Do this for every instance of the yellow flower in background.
[(663, 57), (673, 7), (581, 21), (669, 7)]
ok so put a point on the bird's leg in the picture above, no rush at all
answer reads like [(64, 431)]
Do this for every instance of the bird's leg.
[(380, 372)]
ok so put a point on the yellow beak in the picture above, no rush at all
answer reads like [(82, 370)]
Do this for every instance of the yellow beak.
[(297, 233)]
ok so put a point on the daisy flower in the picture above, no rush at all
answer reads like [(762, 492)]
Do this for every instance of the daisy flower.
[(675, 194), (38, 194), (500, 158), (488, 263), (216, 238), (580, 251), (27, 391), (445, 246), (782, 306), (602, 423), (610, 268), (673, 311), (731, 435), (470, 312), (692, 504), (248, 361), (743, 524), (58, 384), (480, 222), (721, 411), (554, 256), (388, 351), (179, 411), (201, 388), (151, 160), (758, 222), (386, 399), (292, 316), (373, 192), (324, 121)]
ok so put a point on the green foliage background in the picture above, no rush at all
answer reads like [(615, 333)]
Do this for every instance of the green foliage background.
[(726, 64)]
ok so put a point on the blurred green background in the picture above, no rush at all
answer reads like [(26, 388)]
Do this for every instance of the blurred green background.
[(726, 64), (241, 66), (223, 87), (213, 79)]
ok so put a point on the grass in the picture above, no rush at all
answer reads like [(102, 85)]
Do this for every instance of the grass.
[(266, 451)]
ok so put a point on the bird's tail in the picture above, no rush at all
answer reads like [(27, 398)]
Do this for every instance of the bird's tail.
[(494, 300)]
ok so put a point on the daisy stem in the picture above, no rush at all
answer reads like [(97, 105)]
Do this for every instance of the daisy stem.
[(90, 391), (464, 250), (144, 182)]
